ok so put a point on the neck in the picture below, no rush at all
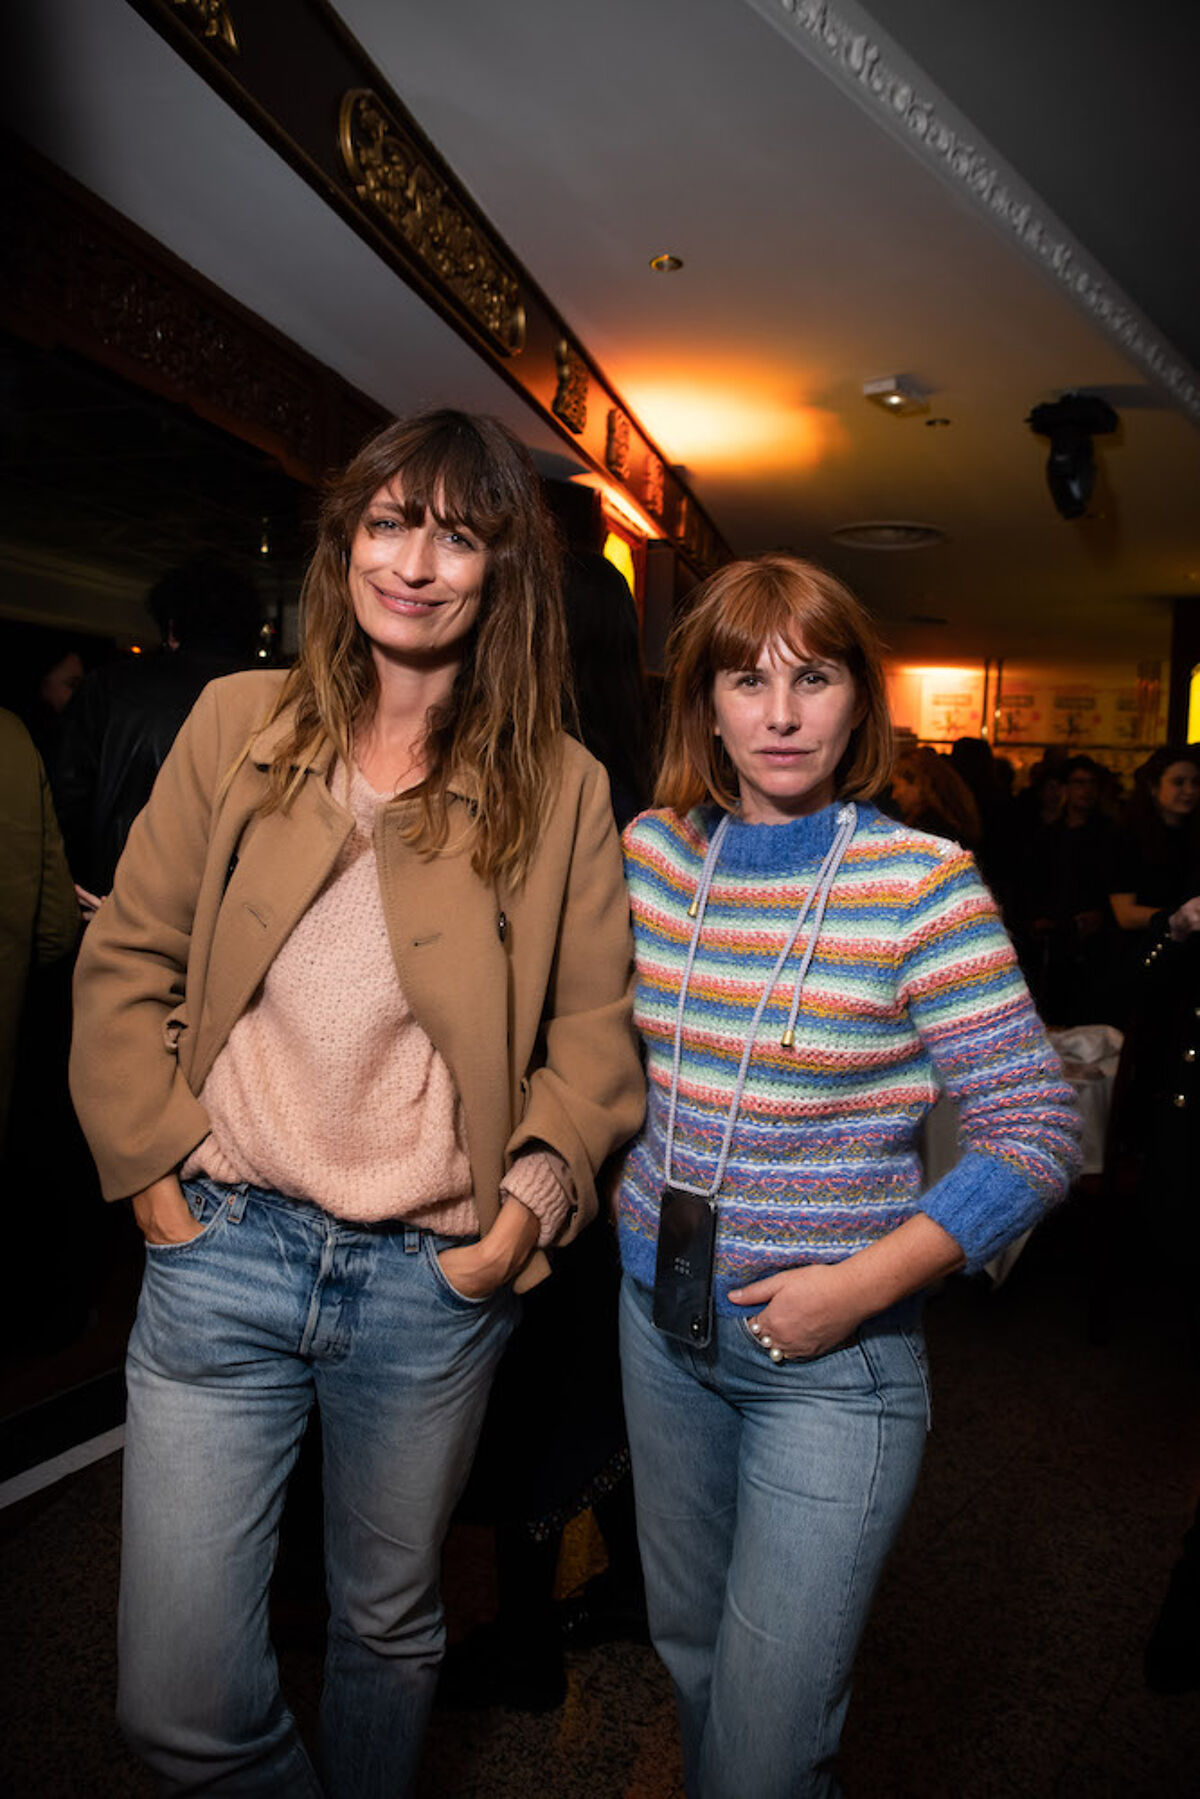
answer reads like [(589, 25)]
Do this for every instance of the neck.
[(390, 747)]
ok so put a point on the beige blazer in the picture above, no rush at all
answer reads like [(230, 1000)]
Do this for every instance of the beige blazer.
[(527, 994)]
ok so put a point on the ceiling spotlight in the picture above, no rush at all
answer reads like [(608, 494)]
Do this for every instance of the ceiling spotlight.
[(899, 394), (666, 264), (1071, 423)]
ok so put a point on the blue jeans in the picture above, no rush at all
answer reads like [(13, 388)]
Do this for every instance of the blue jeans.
[(768, 1497), (238, 1331)]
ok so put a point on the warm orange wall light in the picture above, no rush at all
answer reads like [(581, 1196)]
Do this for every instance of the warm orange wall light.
[(714, 422)]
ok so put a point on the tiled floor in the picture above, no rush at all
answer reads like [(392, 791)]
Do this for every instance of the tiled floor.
[(1003, 1660)]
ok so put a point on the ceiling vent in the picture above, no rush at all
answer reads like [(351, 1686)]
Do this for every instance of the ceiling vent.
[(888, 534)]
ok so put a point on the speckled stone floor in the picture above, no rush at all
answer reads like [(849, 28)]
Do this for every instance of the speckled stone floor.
[(1003, 1659)]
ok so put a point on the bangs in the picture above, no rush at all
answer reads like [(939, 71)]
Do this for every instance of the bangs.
[(763, 604), (451, 473)]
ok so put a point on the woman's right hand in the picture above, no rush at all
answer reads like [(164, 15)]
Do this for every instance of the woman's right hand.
[(162, 1212)]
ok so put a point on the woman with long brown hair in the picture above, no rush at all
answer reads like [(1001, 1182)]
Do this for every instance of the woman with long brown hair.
[(810, 975), (353, 1034)]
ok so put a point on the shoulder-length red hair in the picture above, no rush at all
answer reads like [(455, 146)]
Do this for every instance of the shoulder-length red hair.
[(732, 619)]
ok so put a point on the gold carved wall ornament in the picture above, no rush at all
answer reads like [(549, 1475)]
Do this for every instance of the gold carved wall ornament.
[(616, 444), (654, 485), (392, 173), (571, 394), (211, 18)]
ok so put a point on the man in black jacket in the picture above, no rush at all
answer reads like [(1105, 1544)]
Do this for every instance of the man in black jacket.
[(124, 719)]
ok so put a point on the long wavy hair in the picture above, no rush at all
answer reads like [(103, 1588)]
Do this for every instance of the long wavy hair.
[(496, 741), (734, 616)]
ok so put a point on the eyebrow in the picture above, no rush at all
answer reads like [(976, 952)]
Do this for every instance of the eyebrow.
[(802, 666)]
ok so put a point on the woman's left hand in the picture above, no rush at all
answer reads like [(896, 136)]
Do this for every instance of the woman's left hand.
[(477, 1270), (811, 1310)]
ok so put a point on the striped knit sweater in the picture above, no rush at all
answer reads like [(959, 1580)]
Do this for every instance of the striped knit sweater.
[(913, 989)]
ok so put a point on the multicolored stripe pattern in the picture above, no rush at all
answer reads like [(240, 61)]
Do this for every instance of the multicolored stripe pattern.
[(913, 990)]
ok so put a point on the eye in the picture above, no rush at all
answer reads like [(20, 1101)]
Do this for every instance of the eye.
[(382, 522), (749, 678), (458, 540), (814, 677)]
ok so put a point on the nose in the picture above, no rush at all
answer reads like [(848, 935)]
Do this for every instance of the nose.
[(783, 708), (413, 557)]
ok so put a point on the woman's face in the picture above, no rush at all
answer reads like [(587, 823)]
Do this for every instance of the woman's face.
[(785, 724), (415, 589), (1177, 792)]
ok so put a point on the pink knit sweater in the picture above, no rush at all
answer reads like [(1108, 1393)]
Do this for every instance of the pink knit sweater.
[(329, 1090)]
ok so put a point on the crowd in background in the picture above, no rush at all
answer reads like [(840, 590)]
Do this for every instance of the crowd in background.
[(1080, 870)]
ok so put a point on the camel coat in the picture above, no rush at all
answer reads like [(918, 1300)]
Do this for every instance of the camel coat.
[(526, 994)]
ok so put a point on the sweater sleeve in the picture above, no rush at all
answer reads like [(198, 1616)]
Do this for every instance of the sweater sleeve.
[(1019, 1126)]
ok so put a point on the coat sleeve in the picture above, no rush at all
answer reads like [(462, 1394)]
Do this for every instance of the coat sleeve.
[(1018, 1122), (587, 1096), (136, 1108)]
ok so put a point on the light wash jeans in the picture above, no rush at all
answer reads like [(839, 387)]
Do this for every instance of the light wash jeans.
[(275, 1304), (768, 1497)]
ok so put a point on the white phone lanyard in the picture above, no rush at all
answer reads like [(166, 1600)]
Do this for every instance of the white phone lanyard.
[(847, 819)]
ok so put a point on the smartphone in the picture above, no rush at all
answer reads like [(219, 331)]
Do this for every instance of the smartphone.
[(683, 1273)]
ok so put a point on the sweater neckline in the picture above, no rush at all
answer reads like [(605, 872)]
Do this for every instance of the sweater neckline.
[(776, 848)]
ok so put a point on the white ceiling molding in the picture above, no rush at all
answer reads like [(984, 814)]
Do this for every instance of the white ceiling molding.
[(845, 42)]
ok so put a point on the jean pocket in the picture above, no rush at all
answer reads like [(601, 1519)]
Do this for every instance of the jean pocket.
[(915, 1343), (209, 1207), (446, 1291)]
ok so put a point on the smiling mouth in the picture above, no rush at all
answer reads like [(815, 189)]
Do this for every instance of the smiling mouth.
[(405, 602)]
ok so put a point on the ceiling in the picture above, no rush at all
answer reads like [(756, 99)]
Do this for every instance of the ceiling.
[(822, 247)]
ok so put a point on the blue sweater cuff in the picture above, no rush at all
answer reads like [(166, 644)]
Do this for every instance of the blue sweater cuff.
[(984, 1204)]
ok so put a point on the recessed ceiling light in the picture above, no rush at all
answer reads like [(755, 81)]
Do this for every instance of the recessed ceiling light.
[(888, 534), (898, 394), (666, 264)]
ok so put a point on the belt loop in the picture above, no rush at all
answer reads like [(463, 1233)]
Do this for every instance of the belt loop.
[(412, 1240), (237, 1202)]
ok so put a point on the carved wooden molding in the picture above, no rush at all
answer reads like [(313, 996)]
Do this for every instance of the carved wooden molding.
[(211, 19), (80, 275), (844, 41), (570, 402), (617, 456), (391, 173), (654, 486)]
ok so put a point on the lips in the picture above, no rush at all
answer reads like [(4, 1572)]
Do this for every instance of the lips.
[(409, 604)]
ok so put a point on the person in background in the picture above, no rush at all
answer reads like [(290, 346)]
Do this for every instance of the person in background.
[(353, 1035), (128, 712), (1157, 863), (973, 761), (39, 914), (1064, 924), (931, 797), (809, 978), (538, 1467)]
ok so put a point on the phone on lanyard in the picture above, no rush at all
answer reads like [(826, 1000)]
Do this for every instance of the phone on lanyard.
[(683, 1271)]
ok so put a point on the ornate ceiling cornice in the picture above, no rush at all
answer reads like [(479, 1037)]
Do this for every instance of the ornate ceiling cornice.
[(845, 42), (349, 135)]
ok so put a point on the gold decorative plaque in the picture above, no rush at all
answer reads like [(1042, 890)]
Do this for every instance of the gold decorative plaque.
[(212, 19), (571, 394), (654, 485), (392, 173), (616, 444)]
